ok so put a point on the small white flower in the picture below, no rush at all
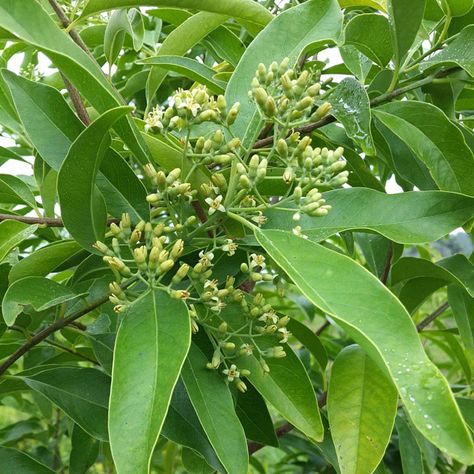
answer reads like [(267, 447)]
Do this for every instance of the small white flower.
[(215, 204), (210, 285), (217, 304), (246, 349), (232, 373), (205, 258), (257, 261), (284, 335), (259, 219), (269, 317), (153, 120), (230, 247)]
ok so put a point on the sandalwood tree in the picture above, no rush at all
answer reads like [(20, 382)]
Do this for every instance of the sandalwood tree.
[(228, 250)]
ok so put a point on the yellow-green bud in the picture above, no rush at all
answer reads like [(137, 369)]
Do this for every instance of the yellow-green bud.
[(304, 103), (261, 97), (270, 106), (228, 346), (102, 248), (221, 104), (241, 385), (166, 265), (282, 148), (177, 249), (232, 115)]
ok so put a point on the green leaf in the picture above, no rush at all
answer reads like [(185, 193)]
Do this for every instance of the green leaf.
[(76, 180), (463, 310), (370, 34), (183, 427), (255, 418), (455, 269), (52, 127), (189, 68), (406, 218), (435, 140), (376, 320), (458, 7), (45, 260), (32, 24), (377, 4), (410, 452), (117, 26), (467, 409), (194, 463), (38, 292), (405, 19), (15, 191), (362, 404), (313, 22), (48, 120), (180, 41), (15, 461), (310, 341), (288, 388), (456, 53), (212, 400), (84, 451), (82, 394), (351, 107), (151, 345), (246, 10), (12, 233)]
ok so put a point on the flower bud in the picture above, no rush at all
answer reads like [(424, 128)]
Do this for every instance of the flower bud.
[(261, 97), (241, 385), (244, 181), (232, 115), (102, 248), (221, 104), (282, 148), (270, 107), (228, 346), (177, 249), (166, 266), (313, 90), (304, 103)]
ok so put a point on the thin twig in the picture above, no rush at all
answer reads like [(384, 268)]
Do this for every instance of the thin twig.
[(431, 317), (76, 101), (46, 221), (387, 264), (70, 351), (56, 326)]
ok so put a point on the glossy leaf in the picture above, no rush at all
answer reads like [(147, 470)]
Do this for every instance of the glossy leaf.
[(313, 22), (255, 418), (80, 392), (434, 140), (142, 385), (362, 404), (462, 305), (45, 260), (407, 218), (351, 107), (459, 7), (246, 10), (456, 53), (410, 452), (370, 34), (345, 290), (214, 407), (455, 269), (189, 68), (117, 27), (76, 180), (377, 4), (12, 233), (15, 461), (38, 292), (32, 24), (14, 190), (84, 452), (183, 426), (404, 27)]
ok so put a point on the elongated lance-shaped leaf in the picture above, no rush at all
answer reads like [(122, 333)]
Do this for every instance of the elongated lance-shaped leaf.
[(38, 292), (32, 24), (13, 460), (212, 400), (247, 11), (12, 233), (288, 35), (436, 141), (362, 404), (151, 346), (52, 127), (376, 320), (406, 218), (82, 206)]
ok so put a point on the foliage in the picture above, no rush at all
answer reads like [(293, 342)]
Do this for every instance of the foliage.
[(203, 269)]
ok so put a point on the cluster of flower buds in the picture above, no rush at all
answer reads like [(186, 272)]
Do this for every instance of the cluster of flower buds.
[(283, 95), (215, 150), (143, 251), (189, 107), (169, 187), (253, 174)]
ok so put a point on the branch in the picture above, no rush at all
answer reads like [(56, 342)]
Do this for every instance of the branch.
[(285, 428), (56, 326), (46, 221), (431, 317), (387, 264)]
